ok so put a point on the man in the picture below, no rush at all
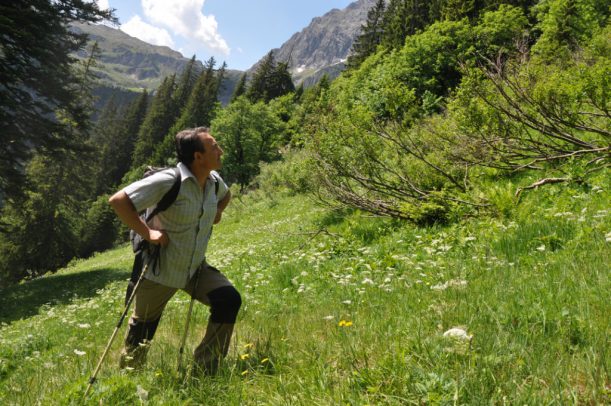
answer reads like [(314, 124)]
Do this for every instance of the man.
[(182, 231)]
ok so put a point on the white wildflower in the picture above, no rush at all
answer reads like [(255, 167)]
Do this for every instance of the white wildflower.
[(142, 393), (470, 238), (328, 317), (347, 302), (541, 248), (84, 325), (367, 281), (440, 286), (79, 353), (458, 334)]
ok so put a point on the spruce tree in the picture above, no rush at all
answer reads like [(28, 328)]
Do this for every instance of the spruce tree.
[(186, 83), (240, 88), (199, 111), (158, 121), (39, 91), (282, 81), (370, 37), (270, 80), (134, 118), (199, 108), (259, 85), (117, 146), (103, 136), (403, 18)]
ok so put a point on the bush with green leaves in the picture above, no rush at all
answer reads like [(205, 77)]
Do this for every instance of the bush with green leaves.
[(249, 133), (293, 174), (532, 114), (100, 228)]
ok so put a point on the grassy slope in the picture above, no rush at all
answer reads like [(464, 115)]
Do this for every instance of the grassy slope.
[(352, 314)]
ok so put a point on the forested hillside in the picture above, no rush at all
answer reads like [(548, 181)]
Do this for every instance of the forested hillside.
[(467, 142)]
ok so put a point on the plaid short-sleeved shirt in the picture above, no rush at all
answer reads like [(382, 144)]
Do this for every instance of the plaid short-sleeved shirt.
[(188, 221)]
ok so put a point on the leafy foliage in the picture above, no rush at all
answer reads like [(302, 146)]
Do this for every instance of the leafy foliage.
[(249, 133)]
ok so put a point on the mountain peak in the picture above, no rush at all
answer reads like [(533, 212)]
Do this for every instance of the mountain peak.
[(323, 46)]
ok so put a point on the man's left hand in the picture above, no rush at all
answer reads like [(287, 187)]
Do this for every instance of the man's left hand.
[(219, 215)]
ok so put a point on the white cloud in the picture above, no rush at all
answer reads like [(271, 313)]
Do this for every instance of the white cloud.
[(147, 32), (185, 18)]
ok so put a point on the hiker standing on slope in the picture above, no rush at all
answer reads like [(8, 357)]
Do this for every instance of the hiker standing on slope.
[(182, 231)]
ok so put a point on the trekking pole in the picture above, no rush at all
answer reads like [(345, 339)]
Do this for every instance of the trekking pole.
[(184, 336), (114, 333)]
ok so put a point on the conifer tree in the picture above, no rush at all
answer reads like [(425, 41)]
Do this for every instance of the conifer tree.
[(240, 88), (370, 37), (199, 111), (458, 9), (258, 88), (185, 84), (199, 108), (220, 76), (282, 81), (270, 80), (157, 122), (39, 87), (299, 93), (117, 147), (403, 18), (103, 135)]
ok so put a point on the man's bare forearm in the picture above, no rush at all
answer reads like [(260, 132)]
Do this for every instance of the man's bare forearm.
[(220, 207), (123, 206)]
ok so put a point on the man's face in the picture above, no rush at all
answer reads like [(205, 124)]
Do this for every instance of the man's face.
[(211, 157)]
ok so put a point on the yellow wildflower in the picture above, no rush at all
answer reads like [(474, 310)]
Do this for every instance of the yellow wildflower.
[(344, 323), (244, 356)]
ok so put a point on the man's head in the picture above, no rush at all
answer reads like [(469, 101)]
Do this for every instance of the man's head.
[(195, 146)]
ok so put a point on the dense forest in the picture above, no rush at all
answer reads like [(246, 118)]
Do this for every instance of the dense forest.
[(439, 99)]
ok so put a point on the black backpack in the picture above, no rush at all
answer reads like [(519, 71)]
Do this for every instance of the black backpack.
[(139, 244)]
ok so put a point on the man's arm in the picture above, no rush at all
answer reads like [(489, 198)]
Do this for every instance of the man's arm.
[(123, 206), (221, 205)]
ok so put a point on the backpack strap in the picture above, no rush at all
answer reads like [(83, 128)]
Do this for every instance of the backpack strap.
[(169, 198)]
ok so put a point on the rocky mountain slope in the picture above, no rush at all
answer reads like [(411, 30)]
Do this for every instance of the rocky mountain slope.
[(131, 64), (324, 45)]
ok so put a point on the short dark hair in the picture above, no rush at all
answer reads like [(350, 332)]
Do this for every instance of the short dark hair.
[(188, 143)]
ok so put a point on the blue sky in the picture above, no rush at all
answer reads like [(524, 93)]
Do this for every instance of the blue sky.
[(239, 32)]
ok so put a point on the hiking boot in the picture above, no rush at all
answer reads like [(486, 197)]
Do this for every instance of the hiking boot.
[(134, 357), (213, 348)]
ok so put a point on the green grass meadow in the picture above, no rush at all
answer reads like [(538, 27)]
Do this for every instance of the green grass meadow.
[(342, 308)]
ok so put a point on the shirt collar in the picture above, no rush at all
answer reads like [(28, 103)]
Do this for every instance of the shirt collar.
[(185, 173)]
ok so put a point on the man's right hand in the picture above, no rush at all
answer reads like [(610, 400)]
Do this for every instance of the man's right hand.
[(158, 237), (127, 213)]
